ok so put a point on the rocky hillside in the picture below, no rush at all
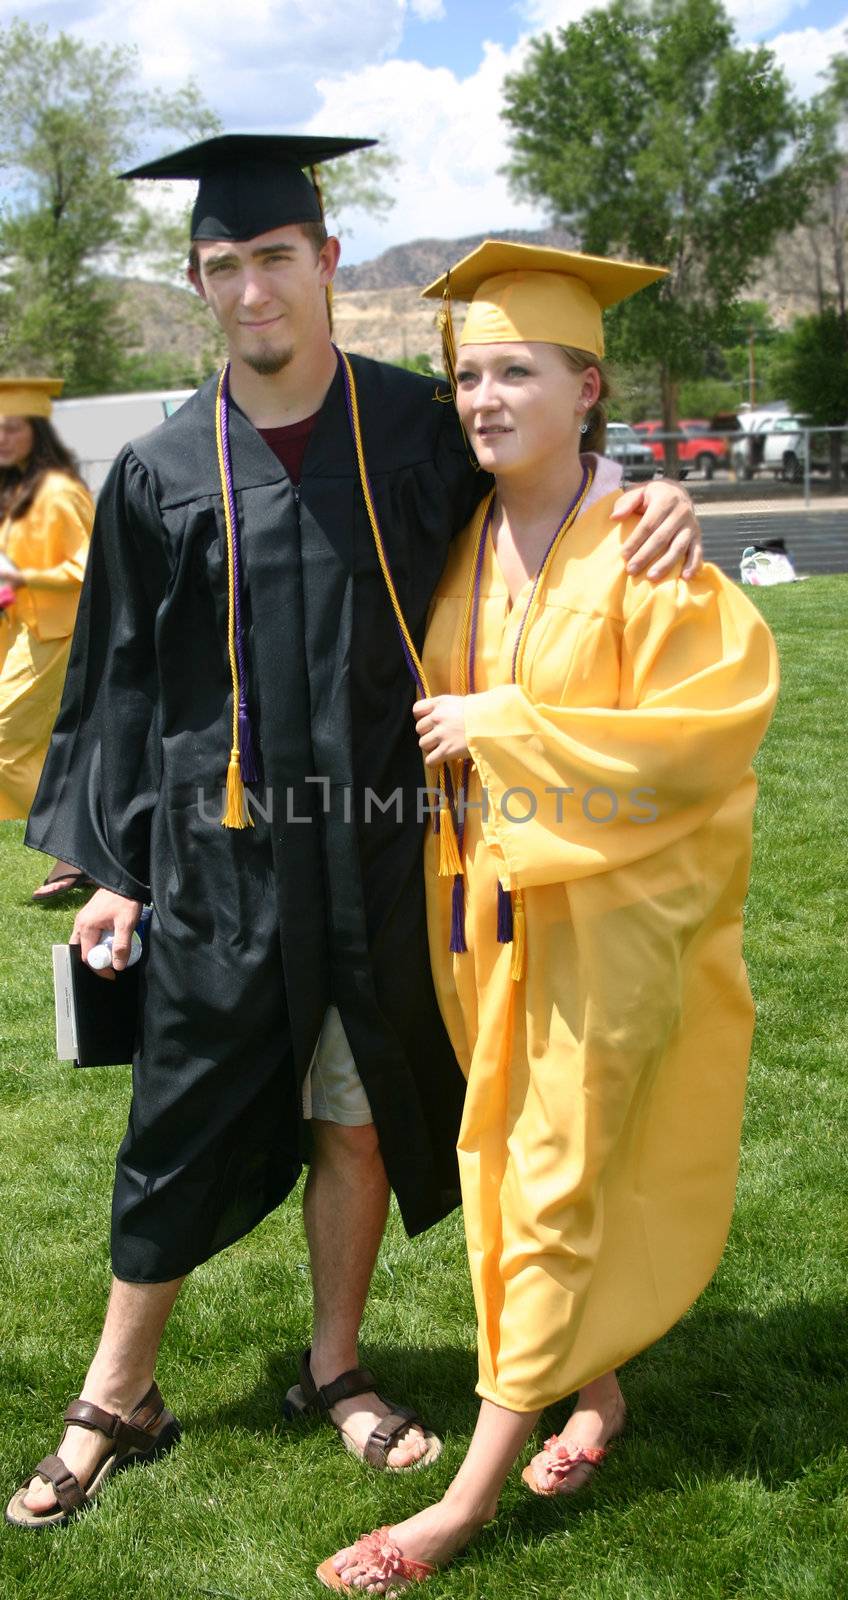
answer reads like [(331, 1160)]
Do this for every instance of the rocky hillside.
[(377, 309), (413, 265), (376, 306)]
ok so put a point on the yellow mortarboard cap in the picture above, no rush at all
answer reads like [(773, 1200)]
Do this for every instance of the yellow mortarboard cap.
[(530, 293), (28, 397)]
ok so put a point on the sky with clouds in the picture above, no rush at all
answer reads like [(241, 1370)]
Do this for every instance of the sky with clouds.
[(426, 74)]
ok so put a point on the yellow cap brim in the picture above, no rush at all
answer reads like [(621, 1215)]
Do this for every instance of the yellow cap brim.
[(28, 397), (534, 293)]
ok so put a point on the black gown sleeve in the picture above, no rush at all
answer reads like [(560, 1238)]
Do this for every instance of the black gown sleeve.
[(103, 769)]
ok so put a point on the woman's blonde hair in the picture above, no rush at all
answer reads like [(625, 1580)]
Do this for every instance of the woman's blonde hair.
[(595, 437)]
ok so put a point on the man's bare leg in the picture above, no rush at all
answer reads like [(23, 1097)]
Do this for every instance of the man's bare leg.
[(347, 1180), (119, 1376)]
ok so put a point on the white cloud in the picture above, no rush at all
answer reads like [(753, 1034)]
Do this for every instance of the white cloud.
[(805, 53), (428, 10), (256, 61), (542, 16), (450, 141), (754, 18)]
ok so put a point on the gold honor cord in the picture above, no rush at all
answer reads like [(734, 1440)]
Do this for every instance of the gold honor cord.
[(450, 862), (236, 814), (484, 515)]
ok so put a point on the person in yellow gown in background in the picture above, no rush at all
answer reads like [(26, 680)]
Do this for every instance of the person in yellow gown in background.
[(46, 513), (599, 731)]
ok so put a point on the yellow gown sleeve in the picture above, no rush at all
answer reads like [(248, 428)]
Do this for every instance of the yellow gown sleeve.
[(49, 547), (575, 790), (60, 530)]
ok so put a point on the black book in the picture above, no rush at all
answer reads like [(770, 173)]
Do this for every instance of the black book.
[(96, 1019)]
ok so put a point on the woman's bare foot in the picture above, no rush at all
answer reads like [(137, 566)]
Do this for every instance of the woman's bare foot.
[(597, 1418), (433, 1536)]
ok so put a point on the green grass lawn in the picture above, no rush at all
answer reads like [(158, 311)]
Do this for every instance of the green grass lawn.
[(732, 1478)]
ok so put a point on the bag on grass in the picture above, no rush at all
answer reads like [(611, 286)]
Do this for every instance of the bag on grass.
[(766, 567)]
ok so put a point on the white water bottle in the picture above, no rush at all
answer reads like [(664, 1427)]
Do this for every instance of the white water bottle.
[(101, 956)]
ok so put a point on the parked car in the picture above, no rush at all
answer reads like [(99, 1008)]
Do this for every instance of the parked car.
[(754, 425), (785, 446), (700, 450), (99, 426), (635, 458)]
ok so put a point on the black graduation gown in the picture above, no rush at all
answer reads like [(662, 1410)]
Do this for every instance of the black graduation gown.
[(255, 932)]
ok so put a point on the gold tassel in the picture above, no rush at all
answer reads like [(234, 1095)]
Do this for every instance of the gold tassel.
[(450, 860), (236, 814), (519, 930), (445, 325), (444, 322)]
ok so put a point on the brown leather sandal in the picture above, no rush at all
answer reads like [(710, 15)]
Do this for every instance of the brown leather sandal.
[(306, 1399), (149, 1432)]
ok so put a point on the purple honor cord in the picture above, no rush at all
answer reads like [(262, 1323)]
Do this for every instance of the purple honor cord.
[(505, 919)]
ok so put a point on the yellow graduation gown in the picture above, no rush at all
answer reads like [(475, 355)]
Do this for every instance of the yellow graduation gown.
[(599, 1144), (49, 545)]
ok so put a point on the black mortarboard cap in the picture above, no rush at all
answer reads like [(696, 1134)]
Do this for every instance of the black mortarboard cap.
[(250, 182)]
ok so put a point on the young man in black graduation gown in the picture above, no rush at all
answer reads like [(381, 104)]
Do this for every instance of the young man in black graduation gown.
[(257, 931)]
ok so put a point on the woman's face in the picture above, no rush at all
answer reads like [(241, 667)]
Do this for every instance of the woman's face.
[(16, 440), (521, 405)]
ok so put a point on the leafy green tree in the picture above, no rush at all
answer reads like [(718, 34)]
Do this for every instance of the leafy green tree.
[(71, 116), (358, 182), (650, 134), (810, 265), (813, 371)]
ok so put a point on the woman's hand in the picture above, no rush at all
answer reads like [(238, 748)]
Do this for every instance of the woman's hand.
[(668, 530), (440, 725)]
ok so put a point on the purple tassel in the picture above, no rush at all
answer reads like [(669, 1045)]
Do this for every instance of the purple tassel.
[(457, 938), (247, 755), (504, 915)]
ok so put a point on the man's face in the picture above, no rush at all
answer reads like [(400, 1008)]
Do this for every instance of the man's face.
[(267, 293)]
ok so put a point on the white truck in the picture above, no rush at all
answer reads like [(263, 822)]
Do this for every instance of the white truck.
[(97, 427)]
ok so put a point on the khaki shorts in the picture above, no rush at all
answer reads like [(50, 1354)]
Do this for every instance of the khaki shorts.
[(332, 1089)]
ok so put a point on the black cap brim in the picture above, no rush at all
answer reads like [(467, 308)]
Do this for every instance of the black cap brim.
[(225, 149), (250, 183)]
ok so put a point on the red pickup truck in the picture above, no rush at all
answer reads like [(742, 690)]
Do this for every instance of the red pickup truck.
[(699, 451)]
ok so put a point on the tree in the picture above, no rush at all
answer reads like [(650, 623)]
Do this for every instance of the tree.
[(71, 116), (653, 137), (814, 375), (810, 265), (358, 182)]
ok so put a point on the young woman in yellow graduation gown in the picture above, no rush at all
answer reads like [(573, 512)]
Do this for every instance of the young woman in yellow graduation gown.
[(607, 727), (46, 513)]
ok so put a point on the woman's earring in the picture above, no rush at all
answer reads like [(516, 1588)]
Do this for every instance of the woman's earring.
[(584, 426)]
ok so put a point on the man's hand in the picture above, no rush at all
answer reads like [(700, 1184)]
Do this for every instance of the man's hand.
[(106, 913), (668, 529), (440, 725)]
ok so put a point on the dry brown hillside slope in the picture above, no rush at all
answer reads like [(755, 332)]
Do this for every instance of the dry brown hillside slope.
[(377, 308), (376, 305)]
